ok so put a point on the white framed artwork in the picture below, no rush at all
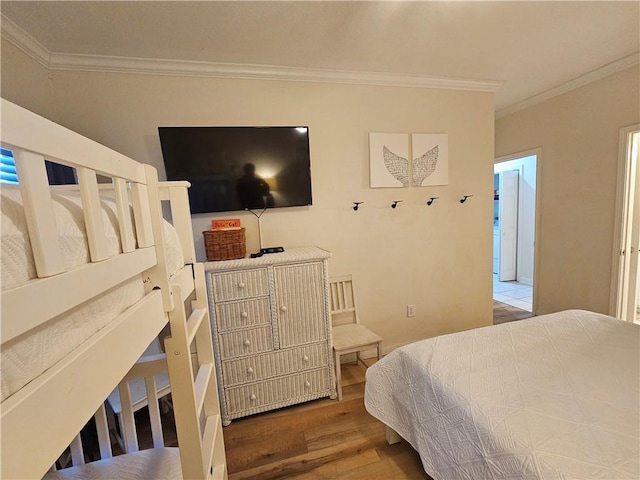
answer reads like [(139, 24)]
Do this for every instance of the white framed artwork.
[(388, 160), (430, 159)]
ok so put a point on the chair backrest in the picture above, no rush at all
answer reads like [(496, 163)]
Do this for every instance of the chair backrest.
[(342, 301)]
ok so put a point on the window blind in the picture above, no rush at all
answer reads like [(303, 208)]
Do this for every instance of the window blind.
[(8, 172)]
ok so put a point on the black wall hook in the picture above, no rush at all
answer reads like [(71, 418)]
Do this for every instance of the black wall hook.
[(395, 203), (356, 205), (464, 199), (430, 201)]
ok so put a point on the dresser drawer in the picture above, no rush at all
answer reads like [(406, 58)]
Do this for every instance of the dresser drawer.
[(245, 342), (269, 365), (239, 284), (242, 314), (279, 392)]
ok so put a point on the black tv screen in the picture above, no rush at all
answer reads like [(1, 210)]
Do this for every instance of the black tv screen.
[(239, 168)]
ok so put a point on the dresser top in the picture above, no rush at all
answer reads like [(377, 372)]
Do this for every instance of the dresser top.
[(290, 255)]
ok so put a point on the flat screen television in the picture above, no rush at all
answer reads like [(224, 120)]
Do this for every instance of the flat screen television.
[(239, 168)]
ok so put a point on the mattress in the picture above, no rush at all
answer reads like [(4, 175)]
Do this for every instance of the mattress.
[(29, 355), (155, 463), (555, 396)]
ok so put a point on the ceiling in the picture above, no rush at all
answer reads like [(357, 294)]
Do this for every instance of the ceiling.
[(522, 50)]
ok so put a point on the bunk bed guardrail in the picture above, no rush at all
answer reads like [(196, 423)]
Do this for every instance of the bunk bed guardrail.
[(40, 419)]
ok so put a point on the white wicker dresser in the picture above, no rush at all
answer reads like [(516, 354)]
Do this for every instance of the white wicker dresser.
[(271, 330)]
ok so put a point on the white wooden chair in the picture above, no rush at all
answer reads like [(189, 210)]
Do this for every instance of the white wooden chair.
[(349, 336)]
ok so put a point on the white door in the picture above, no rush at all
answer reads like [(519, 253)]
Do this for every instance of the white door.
[(630, 241), (508, 224)]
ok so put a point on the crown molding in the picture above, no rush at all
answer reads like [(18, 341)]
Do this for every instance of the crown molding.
[(98, 63), (94, 63), (25, 42), (590, 77)]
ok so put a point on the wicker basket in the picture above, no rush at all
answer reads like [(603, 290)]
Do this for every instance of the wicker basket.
[(224, 244)]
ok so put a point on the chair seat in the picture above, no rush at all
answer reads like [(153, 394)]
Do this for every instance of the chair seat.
[(353, 335)]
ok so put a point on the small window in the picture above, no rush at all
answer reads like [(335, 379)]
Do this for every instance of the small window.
[(8, 172)]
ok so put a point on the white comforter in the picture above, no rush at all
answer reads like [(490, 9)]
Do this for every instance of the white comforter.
[(27, 356), (555, 396), (153, 463)]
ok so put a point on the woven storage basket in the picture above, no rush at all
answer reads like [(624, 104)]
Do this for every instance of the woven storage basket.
[(224, 244)]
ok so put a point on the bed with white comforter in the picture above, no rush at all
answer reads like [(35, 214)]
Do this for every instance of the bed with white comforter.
[(28, 355), (555, 396)]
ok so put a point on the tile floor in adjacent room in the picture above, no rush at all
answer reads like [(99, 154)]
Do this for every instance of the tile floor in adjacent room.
[(515, 294)]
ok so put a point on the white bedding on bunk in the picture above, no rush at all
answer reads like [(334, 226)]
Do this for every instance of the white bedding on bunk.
[(27, 356), (154, 463), (555, 396)]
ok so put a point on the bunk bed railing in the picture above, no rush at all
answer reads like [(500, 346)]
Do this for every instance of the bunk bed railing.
[(176, 194), (54, 406), (53, 400), (91, 281), (145, 369), (33, 140), (40, 419)]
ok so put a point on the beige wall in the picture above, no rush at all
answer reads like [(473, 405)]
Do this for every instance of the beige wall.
[(438, 257), (578, 133), (25, 81)]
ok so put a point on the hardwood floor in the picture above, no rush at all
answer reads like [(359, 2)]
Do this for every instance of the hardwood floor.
[(319, 439), (326, 439), (503, 313)]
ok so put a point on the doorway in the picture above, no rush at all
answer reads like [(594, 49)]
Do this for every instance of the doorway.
[(625, 297), (515, 185)]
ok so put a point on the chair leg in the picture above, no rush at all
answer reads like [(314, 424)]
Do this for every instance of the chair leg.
[(338, 375)]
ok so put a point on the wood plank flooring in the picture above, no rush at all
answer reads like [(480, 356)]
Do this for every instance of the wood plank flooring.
[(319, 439), (503, 313), (326, 439)]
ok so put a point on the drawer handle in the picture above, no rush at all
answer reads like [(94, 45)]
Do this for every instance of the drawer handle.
[(244, 314), (283, 308), (307, 384), (305, 359), (249, 370), (252, 397), (247, 342), (241, 285)]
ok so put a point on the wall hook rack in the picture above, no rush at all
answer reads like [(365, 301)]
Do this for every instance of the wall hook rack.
[(395, 203), (356, 205), (431, 200), (464, 199)]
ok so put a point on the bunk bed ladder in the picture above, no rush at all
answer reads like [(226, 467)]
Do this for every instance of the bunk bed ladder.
[(193, 386)]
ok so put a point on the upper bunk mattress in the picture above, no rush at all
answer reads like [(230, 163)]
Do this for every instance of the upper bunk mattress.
[(27, 356), (555, 396)]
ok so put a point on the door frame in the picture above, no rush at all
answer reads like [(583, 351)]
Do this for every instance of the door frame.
[(619, 234), (509, 203), (536, 236)]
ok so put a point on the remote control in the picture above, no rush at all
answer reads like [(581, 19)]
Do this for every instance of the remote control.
[(272, 250)]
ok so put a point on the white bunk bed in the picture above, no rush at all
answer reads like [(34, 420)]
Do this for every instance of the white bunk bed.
[(91, 274)]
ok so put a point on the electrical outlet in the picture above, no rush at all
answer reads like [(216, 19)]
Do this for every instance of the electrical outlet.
[(411, 310)]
